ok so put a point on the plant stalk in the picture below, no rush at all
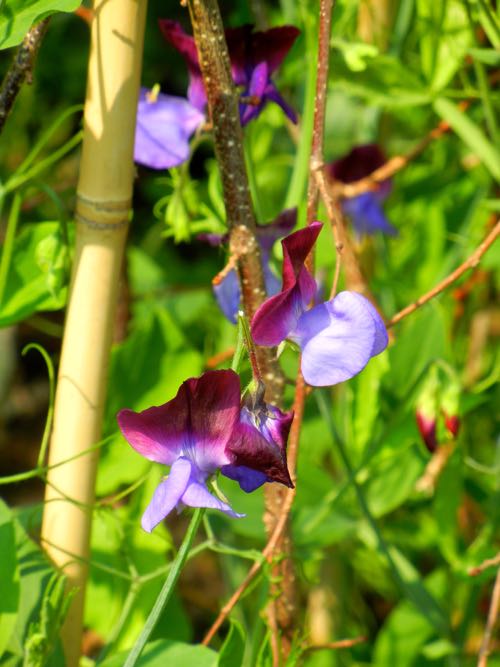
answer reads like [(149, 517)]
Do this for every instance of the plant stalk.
[(102, 214)]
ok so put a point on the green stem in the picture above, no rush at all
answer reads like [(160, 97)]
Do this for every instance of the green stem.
[(17, 180), (427, 607), (50, 411), (166, 591), (300, 172), (8, 246), (252, 177)]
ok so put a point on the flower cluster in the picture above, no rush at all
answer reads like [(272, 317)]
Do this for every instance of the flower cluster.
[(365, 210), (337, 338), (165, 123), (203, 429)]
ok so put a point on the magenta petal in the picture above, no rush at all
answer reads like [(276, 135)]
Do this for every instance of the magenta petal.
[(277, 317), (155, 433), (168, 493), (164, 126), (338, 338), (296, 248), (197, 495)]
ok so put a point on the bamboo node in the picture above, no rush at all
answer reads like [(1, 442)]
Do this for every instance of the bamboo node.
[(102, 214)]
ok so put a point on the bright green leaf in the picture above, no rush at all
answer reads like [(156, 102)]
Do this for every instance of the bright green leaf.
[(17, 17)]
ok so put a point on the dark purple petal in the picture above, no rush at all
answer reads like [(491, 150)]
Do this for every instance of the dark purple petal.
[(272, 94), (248, 479), (185, 45), (228, 296), (215, 240), (338, 338), (155, 433), (281, 226), (167, 495), (259, 442), (367, 215), (239, 47), (164, 126), (357, 164), (273, 45), (197, 495), (212, 404)]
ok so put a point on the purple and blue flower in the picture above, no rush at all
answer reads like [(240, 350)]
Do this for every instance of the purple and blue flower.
[(165, 123), (337, 338), (365, 210), (202, 430)]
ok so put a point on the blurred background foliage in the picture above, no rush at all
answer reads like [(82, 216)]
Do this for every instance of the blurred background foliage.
[(378, 553)]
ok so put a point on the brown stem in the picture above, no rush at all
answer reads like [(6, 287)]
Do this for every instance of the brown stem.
[(469, 263), (21, 68), (224, 114), (490, 562), (332, 646), (485, 649)]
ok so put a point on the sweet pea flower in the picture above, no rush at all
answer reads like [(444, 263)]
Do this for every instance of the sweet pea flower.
[(227, 292), (365, 210), (164, 126), (254, 57), (337, 338), (204, 429)]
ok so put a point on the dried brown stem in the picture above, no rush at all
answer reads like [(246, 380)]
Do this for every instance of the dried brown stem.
[(21, 68), (490, 562), (469, 263), (332, 646), (485, 649)]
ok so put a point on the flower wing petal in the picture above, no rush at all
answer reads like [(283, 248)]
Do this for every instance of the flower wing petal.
[(228, 295), (248, 479), (163, 129), (337, 339), (197, 495), (168, 493)]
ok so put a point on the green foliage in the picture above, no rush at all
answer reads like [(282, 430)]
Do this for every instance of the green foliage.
[(389, 559), (17, 17)]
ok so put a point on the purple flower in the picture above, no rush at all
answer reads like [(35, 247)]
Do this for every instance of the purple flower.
[(203, 429), (365, 210), (254, 56), (337, 338), (164, 126), (227, 292)]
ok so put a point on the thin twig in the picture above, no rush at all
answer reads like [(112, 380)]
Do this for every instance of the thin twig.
[(489, 562), (331, 646), (21, 68), (219, 358), (469, 263), (393, 165), (266, 553), (485, 649)]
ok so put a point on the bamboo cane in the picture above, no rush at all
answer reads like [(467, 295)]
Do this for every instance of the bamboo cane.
[(102, 214)]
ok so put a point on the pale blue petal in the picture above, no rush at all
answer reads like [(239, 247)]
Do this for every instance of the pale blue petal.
[(168, 493)]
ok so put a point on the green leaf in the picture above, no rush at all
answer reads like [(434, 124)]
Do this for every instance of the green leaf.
[(384, 81), (470, 133), (486, 56), (232, 650), (38, 275), (9, 576), (165, 652), (17, 17)]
